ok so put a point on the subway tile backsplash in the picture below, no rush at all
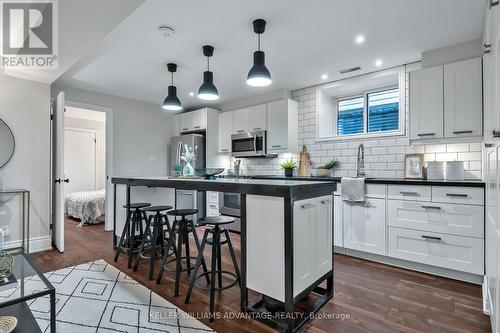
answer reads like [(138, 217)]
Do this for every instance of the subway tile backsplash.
[(384, 157)]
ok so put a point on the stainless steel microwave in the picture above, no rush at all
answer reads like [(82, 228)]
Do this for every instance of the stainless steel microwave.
[(250, 144)]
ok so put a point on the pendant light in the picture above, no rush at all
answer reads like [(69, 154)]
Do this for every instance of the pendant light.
[(208, 91), (172, 102), (259, 75)]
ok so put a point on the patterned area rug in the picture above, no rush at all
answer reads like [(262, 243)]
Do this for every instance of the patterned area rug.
[(97, 297)]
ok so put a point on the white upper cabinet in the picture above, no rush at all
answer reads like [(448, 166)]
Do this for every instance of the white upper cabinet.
[(226, 120), (250, 119), (257, 118), (193, 121), (463, 98), (426, 103), (241, 120), (491, 72), (282, 126), (446, 101)]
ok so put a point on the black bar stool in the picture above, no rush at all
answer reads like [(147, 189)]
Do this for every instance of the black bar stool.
[(180, 232), (153, 241), (220, 236), (128, 241)]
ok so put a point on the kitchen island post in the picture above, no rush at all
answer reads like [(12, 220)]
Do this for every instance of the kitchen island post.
[(286, 241)]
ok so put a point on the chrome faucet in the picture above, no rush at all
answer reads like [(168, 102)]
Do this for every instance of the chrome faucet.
[(360, 167)]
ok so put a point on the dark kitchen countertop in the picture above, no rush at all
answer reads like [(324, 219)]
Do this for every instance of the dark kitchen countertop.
[(391, 181)]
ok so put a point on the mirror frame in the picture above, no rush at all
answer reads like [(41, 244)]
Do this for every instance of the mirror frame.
[(13, 140)]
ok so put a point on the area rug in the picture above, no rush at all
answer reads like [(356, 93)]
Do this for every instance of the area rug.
[(97, 297)]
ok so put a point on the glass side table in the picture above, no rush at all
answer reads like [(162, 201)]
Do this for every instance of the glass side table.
[(32, 286), (25, 197)]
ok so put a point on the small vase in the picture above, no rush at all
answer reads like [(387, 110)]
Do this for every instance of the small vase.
[(188, 170), (288, 172)]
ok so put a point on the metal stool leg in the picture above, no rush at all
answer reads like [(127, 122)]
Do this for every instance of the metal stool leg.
[(170, 243), (233, 257), (219, 256), (147, 231), (203, 262), (122, 240), (153, 242), (186, 245), (199, 260), (215, 241), (178, 267), (131, 236)]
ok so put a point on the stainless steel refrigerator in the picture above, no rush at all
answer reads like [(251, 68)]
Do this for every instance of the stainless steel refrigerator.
[(188, 198)]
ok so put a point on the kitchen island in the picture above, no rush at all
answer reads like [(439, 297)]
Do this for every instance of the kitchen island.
[(286, 240)]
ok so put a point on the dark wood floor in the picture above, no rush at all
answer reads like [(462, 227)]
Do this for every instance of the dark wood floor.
[(373, 297)]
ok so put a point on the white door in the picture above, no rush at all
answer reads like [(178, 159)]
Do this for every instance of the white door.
[(463, 94), (58, 170), (80, 160), (304, 237), (426, 102), (324, 248), (364, 226)]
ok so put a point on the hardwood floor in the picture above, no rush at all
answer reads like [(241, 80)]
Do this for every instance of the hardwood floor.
[(371, 297)]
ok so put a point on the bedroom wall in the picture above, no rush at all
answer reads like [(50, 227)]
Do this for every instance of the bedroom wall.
[(25, 107), (141, 135), (100, 128)]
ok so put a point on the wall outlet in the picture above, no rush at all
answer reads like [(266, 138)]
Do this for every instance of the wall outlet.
[(5, 229)]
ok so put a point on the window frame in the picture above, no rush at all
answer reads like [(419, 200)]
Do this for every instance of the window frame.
[(401, 85)]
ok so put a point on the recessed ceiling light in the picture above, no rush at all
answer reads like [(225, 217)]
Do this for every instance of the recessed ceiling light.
[(360, 39), (191, 94), (324, 76), (378, 63)]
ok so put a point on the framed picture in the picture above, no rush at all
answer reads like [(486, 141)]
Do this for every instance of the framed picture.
[(414, 166)]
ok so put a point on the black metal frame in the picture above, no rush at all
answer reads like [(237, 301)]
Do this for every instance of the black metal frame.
[(290, 193), (50, 291)]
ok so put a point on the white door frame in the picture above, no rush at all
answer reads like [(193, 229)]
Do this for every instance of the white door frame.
[(108, 226), (87, 130)]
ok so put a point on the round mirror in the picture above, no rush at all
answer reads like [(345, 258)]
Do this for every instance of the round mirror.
[(7, 144)]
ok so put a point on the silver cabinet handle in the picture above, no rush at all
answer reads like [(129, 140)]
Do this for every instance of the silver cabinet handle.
[(409, 193), (240, 131), (185, 129), (431, 207), (190, 193), (426, 134), (257, 128), (463, 132), (307, 206), (488, 145), (276, 146), (212, 206), (224, 149), (324, 202), (456, 195), (496, 133), (494, 3), (431, 237), (197, 127)]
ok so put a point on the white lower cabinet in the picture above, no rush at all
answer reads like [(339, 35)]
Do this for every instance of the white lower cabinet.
[(365, 226), (338, 226), (442, 250), (312, 224), (452, 219)]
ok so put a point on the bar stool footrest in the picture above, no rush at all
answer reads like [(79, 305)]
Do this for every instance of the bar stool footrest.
[(192, 260), (232, 284)]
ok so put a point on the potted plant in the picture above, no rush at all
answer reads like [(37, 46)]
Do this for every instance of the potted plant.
[(325, 170), (289, 166)]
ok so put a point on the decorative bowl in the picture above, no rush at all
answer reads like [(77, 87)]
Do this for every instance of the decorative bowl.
[(7, 324), (320, 172), (6, 264), (208, 173)]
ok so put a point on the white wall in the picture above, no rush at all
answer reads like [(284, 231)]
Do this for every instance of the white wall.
[(141, 135), (100, 128), (25, 107)]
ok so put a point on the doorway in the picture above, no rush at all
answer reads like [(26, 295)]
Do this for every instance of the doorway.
[(82, 167)]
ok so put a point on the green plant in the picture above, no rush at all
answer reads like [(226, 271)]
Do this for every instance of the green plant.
[(288, 165), (333, 164)]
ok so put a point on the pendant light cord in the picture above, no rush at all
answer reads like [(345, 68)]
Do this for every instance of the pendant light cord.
[(208, 63), (258, 43), (172, 73)]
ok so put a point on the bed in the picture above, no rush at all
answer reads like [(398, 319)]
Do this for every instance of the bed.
[(88, 206)]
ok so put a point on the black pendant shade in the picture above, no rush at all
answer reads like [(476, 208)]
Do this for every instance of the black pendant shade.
[(259, 75), (172, 102), (208, 91)]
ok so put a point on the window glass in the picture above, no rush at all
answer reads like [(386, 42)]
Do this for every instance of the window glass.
[(383, 110), (350, 116)]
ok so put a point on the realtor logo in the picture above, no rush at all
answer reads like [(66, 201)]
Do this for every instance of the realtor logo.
[(29, 34)]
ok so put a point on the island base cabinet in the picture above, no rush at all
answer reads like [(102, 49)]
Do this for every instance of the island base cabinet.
[(442, 250), (265, 245), (365, 226)]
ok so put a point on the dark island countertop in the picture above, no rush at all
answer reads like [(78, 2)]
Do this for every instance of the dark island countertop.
[(391, 181)]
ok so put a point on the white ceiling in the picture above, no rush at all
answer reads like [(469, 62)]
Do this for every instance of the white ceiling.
[(303, 40)]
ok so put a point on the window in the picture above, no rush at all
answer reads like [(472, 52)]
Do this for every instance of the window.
[(372, 112)]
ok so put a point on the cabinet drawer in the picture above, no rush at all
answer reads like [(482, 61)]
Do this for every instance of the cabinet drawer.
[(406, 192), (447, 251), (444, 218), (462, 195), (371, 190)]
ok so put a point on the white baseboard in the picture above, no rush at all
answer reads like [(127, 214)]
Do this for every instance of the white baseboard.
[(37, 244)]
